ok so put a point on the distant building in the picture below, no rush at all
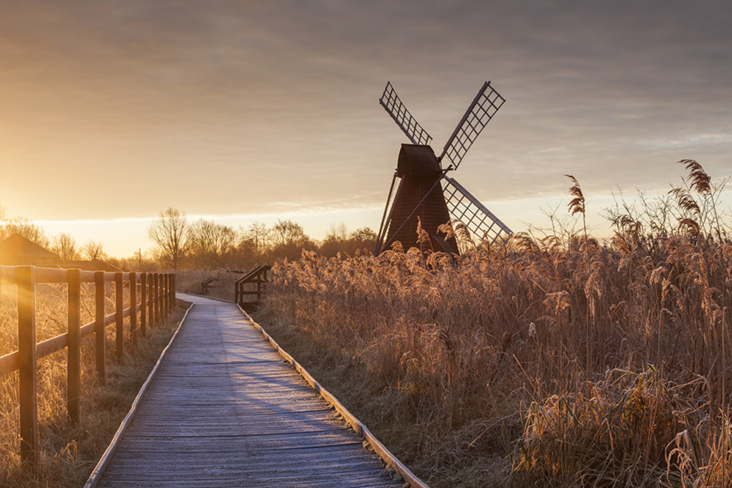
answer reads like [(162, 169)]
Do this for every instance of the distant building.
[(16, 250)]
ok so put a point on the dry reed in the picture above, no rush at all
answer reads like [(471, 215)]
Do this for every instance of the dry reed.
[(583, 364)]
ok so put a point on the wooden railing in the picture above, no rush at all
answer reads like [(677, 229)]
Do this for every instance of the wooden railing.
[(155, 300), (206, 284), (257, 275)]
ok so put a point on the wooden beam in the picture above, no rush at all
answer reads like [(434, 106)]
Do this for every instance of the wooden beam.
[(119, 295), (164, 293), (25, 279), (172, 292), (99, 330), (133, 307), (73, 378), (143, 303), (153, 311)]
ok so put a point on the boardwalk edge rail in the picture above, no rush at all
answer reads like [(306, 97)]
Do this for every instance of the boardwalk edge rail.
[(98, 471), (389, 459), (155, 301), (256, 276)]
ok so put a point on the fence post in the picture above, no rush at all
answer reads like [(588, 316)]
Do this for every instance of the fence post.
[(156, 303), (25, 279), (172, 293), (164, 295), (161, 298), (99, 324), (143, 303), (119, 309), (158, 298), (167, 293), (73, 379), (133, 307), (163, 311), (153, 315)]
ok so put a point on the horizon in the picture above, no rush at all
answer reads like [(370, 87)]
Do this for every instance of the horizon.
[(316, 224)]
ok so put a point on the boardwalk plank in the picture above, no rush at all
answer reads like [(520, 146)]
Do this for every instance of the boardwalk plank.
[(225, 410), (241, 443), (242, 469), (265, 460)]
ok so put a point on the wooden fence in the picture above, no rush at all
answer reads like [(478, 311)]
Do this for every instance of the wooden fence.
[(152, 296)]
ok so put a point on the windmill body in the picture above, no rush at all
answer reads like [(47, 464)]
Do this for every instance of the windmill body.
[(425, 195), (419, 191)]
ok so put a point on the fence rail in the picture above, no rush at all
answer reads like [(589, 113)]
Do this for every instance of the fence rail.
[(154, 302)]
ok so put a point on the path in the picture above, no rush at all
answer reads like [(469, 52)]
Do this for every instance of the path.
[(225, 410)]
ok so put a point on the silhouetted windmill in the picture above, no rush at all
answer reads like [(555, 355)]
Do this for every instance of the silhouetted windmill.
[(425, 191)]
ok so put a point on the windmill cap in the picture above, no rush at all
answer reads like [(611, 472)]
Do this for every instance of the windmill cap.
[(417, 160)]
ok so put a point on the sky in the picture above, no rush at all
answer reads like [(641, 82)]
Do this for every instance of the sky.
[(244, 111)]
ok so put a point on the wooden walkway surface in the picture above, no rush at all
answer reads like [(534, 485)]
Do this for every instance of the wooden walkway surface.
[(224, 409)]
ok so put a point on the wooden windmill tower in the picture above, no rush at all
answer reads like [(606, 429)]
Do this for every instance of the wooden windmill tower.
[(425, 192)]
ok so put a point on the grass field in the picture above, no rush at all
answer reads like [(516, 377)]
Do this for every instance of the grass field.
[(553, 361), (70, 452)]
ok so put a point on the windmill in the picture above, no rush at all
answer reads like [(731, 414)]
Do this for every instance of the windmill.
[(425, 192)]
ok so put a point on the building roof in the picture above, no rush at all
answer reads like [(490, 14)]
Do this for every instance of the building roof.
[(17, 246), (17, 250), (417, 161)]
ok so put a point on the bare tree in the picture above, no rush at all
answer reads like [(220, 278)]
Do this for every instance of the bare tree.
[(338, 239), (93, 250), (337, 232), (27, 229), (65, 246), (169, 233), (363, 239), (288, 233), (335, 240), (210, 242), (258, 235), (288, 240)]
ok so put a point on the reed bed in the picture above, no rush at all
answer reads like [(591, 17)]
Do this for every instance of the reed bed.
[(544, 362), (69, 452)]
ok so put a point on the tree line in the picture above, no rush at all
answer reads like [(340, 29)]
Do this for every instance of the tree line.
[(180, 243)]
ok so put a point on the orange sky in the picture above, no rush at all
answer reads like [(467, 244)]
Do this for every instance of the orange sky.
[(257, 111)]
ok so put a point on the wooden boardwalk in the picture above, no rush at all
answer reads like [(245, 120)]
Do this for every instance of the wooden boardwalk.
[(225, 410)]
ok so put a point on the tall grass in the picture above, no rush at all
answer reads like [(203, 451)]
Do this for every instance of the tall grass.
[(69, 452), (581, 363)]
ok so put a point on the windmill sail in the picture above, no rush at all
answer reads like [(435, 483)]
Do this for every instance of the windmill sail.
[(386, 218), (466, 209), (394, 106), (479, 113)]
